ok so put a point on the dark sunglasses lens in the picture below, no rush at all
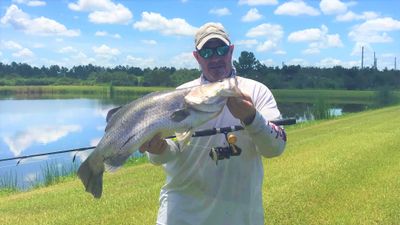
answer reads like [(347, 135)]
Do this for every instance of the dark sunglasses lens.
[(206, 53), (222, 50)]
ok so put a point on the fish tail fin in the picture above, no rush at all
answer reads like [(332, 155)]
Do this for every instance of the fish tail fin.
[(91, 176)]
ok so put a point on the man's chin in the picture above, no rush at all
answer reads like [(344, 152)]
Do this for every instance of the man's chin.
[(216, 77)]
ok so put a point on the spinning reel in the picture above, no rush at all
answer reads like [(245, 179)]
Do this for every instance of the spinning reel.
[(221, 153)]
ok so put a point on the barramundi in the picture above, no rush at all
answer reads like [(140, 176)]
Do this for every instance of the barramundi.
[(176, 112)]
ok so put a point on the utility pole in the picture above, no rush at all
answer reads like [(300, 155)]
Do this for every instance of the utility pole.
[(395, 68), (362, 57)]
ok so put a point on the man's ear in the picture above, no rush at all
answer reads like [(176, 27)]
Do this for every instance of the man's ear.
[(231, 48), (196, 55)]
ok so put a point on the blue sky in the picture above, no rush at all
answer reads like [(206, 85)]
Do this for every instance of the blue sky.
[(141, 33)]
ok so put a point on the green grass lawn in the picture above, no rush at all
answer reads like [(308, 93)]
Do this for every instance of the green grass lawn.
[(340, 171)]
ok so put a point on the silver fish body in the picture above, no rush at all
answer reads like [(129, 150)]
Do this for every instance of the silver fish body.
[(178, 111)]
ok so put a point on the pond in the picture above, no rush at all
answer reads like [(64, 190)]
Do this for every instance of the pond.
[(32, 126)]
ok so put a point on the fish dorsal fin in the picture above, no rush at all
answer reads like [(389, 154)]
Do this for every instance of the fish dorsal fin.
[(111, 112), (184, 137), (180, 115)]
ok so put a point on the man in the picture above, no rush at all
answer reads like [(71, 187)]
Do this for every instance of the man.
[(197, 191)]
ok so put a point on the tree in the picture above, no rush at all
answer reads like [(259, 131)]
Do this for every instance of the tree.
[(247, 64)]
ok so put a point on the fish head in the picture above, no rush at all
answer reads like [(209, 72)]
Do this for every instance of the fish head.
[(212, 97)]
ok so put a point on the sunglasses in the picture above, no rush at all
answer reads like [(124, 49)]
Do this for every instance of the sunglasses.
[(206, 53)]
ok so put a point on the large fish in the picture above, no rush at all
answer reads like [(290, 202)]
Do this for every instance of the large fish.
[(177, 112)]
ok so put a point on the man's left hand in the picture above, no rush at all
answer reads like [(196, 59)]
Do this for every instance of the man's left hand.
[(242, 108)]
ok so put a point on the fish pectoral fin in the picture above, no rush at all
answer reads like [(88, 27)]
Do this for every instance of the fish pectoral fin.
[(180, 115), (184, 137)]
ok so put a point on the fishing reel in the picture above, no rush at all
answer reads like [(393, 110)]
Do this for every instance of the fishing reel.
[(221, 153)]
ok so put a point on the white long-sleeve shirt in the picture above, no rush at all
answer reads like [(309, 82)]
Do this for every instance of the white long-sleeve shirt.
[(200, 192)]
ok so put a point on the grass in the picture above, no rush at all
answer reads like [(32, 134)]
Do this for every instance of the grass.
[(340, 171), (334, 96), (71, 91)]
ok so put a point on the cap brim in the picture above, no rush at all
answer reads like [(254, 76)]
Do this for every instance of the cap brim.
[(211, 36)]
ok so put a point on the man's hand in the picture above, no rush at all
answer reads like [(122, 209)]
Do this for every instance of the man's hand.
[(156, 145), (242, 108)]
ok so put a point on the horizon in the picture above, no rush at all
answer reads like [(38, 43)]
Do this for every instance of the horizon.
[(149, 34)]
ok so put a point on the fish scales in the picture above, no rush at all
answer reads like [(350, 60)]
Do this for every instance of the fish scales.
[(166, 112)]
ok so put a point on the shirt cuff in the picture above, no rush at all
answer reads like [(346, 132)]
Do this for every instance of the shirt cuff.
[(257, 124), (164, 157)]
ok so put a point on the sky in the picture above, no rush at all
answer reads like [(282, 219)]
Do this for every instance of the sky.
[(140, 33)]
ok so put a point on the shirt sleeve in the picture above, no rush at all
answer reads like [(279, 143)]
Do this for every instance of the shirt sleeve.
[(270, 140)]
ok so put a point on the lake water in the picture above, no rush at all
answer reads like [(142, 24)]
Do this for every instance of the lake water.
[(31, 126)]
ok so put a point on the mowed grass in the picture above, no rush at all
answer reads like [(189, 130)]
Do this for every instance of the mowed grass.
[(340, 171)]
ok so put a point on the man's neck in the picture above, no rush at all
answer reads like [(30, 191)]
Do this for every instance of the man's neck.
[(204, 79)]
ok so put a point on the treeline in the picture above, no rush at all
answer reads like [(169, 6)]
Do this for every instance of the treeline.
[(247, 66)]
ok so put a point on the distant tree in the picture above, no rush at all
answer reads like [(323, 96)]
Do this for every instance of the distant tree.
[(246, 64)]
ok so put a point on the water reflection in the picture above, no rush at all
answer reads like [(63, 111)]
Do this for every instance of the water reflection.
[(36, 126), (47, 125), (302, 111)]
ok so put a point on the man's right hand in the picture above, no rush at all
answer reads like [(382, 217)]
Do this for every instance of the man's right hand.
[(155, 145)]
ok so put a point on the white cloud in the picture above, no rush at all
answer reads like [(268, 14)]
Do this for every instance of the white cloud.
[(101, 33), (38, 135), (149, 42), (184, 60), (103, 11), (41, 26), (68, 49), (23, 53), (75, 58), (104, 50), (266, 46), (318, 38), (350, 16), (220, 12), (19, 51), (252, 15), (375, 30), (32, 3), (105, 34), (268, 62), (330, 7), (280, 52), (357, 49), (312, 34), (247, 43), (156, 22), (271, 31), (140, 62), (258, 2), (11, 45), (311, 51), (95, 141), (296, 8), (298, 61), (331, 62), (39, 45)]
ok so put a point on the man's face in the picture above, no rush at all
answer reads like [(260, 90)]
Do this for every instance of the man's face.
[(215, 67)]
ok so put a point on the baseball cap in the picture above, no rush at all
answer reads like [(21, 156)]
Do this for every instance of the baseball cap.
[(209, 31)]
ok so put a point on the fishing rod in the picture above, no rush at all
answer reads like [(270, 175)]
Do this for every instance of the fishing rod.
[(201, 133)]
